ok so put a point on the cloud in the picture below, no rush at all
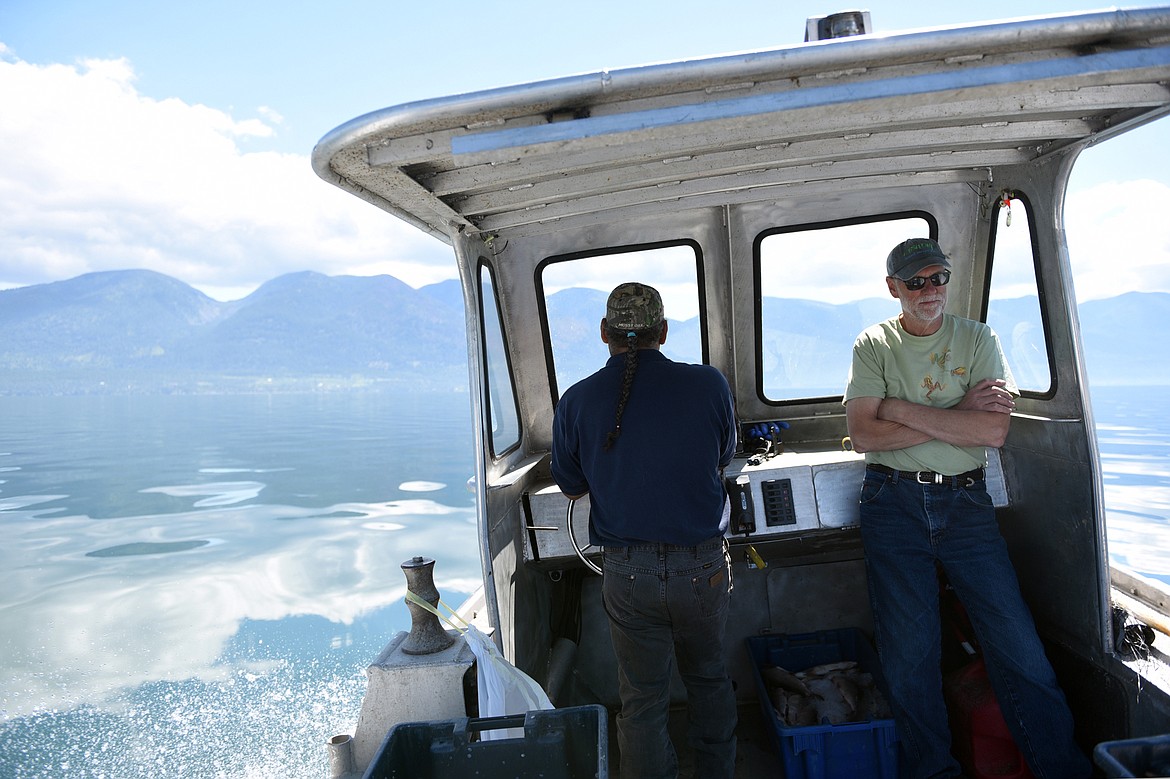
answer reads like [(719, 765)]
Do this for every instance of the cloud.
[(99, 177), (169, 616), (1117, 237)]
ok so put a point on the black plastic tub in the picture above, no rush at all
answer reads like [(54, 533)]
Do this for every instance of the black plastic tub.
[(569, 743)]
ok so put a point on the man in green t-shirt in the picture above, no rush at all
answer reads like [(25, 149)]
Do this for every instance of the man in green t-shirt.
[(928, 392)]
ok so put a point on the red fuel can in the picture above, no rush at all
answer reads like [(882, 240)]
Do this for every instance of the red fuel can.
[(981, 741)]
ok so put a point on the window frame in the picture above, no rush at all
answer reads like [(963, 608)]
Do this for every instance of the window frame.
[(486, 362), (758, 296), (1038, 276), (542, 297)]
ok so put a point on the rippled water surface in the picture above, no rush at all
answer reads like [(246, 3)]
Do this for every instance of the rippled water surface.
[(1133, 434), (192, 586)]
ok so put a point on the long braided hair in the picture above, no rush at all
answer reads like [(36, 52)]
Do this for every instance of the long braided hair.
[(633, 339)]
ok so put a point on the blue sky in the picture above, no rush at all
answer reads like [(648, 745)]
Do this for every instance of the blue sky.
[(176, 136)]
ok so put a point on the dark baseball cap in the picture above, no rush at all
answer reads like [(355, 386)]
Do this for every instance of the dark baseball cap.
[(634, 306), (912, 255)]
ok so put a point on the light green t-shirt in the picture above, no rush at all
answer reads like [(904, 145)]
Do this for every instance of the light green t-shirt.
[(934, 370)]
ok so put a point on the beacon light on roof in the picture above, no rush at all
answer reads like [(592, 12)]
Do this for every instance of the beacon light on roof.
[(838, 25)]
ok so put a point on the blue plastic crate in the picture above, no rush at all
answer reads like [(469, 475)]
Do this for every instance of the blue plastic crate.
[(1134, 756), (856, 750), (557, 744)]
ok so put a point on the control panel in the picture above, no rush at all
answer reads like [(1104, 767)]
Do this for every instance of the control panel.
[(790, 492), (798, 491)]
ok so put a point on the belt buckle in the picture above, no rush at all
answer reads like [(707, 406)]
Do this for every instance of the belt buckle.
[(930, 477)]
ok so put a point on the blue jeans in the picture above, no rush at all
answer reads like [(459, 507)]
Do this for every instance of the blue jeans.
[(905, 528), (669, 604)]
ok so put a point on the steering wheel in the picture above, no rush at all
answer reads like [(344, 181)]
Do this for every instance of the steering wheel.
[(573, 540)]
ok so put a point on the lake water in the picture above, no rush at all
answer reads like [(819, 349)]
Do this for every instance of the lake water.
[(1133, 434), (192, 586)]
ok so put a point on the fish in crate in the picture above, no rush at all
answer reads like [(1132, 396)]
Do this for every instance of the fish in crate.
[(831, 693)]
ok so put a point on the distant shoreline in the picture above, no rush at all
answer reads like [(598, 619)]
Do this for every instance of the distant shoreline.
[(446, 381), (114, 383)]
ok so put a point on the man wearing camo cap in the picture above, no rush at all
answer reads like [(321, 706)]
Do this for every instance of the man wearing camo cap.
[(647, 438)]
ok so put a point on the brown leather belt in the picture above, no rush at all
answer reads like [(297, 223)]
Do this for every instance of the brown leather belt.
[(968, 479)]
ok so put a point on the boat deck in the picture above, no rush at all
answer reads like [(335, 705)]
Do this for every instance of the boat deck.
[(755, 755)]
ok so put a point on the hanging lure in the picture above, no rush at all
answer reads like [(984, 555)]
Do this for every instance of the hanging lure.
[(1005, 201)]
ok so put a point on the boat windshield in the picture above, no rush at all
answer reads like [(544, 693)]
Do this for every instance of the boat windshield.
[(576, 288)]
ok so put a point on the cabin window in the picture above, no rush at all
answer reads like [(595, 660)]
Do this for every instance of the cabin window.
[(576, 287), (818, 287), (500, 394), (1013, 308)]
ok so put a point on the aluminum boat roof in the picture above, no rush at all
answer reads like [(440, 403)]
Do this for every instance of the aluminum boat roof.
[(926, 106)]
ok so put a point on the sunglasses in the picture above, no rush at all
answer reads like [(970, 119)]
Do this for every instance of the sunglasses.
[(940, 279)]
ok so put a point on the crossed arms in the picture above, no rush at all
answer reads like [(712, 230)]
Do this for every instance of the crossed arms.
[(981, 418)]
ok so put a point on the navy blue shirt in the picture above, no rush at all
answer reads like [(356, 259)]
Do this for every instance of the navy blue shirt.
[(660, 481)]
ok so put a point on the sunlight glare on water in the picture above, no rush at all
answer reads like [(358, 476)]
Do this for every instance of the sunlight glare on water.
[(193, 586)]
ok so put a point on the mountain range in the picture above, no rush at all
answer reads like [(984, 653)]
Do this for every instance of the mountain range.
[(139, 330)]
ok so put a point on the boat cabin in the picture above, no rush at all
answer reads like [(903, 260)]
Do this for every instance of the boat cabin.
[(760, 193)]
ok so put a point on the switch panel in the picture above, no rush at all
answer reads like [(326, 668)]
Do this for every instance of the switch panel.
[(778, 506)]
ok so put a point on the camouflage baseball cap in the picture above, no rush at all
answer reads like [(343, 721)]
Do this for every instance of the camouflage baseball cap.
[(912, 255), (633, 306)]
